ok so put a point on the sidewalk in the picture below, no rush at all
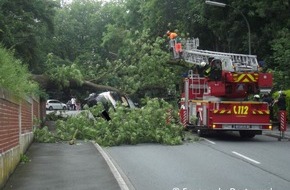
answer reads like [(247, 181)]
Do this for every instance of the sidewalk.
[(277, 134), (63, 166)]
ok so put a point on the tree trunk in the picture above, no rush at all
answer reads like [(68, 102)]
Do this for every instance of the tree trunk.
[(45, 83)]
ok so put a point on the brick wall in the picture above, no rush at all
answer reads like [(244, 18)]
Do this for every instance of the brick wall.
[(17, 116), (36, 109), (9, 125), (26, 117)]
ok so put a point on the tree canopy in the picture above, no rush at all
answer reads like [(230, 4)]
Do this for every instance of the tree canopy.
[(122, 43), (23, 24)]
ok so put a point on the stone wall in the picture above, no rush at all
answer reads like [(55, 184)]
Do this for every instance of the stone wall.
[(17, 120)]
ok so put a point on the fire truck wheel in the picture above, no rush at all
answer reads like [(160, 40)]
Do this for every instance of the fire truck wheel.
[(247, 134)]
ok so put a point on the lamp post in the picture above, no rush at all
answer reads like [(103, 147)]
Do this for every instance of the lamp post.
[(217, 4)]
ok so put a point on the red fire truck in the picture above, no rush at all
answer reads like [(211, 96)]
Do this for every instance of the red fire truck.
[(215, 95)]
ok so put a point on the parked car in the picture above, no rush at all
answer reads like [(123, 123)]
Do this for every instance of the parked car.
[(53, 104), (109, 99)]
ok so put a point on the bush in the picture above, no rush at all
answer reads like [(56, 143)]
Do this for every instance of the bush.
[(44, 135), (14, 76)]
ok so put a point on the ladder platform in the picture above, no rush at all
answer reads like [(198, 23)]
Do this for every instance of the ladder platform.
[(231, 61)]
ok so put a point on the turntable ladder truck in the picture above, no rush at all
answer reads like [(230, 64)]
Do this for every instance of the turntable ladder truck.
[(215, 93)]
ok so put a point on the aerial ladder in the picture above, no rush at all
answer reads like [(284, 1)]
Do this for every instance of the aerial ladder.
[(231, 61)]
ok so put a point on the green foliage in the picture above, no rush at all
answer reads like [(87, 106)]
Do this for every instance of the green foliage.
[(24, 159), (121, 43), (281, 80), (142, 65), (281, 59), (65, 129), (78, 30), (147, 125), (21, 22), (14, 76), (130, 52), (43, 135), (61, 73)]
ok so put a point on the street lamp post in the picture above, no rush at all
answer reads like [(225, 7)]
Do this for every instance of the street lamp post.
[(217, 4)]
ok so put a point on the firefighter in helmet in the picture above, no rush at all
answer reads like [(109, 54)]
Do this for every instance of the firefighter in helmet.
[(174, 44), (270, 101), (200, 69), (171, 35), (257, 97), (281, 102)]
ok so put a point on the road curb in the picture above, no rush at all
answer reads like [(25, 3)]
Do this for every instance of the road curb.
[(112, 167), (286, 138)]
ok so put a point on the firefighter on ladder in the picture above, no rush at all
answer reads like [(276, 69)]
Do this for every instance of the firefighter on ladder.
[(204, 69), (175, 44)]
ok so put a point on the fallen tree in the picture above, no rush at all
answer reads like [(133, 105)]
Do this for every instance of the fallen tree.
[(46, 83)]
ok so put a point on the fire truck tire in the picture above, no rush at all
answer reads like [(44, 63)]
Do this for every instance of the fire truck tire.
[(247, 134)]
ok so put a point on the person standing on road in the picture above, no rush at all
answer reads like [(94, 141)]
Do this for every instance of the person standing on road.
[(281, 102), (267, 98), (73, 103)]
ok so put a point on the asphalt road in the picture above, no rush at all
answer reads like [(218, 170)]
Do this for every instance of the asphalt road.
[(216, 163), (66, 113)]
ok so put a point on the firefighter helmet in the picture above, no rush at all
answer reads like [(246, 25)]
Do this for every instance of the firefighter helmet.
[(203, 64)]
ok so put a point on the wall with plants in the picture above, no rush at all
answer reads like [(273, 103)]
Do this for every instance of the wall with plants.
[(17, 120), (19, 108)]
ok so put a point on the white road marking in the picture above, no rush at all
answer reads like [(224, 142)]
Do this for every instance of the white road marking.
[(113, 168), (209, 141), (245, 157)]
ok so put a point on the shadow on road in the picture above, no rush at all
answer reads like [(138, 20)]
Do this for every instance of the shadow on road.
[(230, 136)]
